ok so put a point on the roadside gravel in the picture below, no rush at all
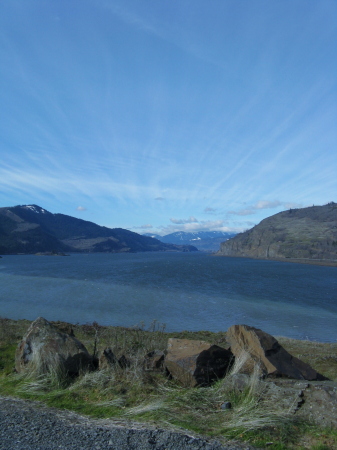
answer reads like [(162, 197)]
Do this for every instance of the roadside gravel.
[(28, 425)]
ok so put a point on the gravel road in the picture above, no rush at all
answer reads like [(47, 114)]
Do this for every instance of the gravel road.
[(28, 425)]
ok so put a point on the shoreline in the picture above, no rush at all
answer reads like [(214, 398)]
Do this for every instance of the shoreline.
[(182, 334), (314, 262)]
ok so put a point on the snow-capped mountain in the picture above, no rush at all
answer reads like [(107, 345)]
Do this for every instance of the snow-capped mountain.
[(208, 241)]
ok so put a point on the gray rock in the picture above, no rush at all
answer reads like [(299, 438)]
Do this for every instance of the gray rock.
[(287, 398), (46, 348), (226, 405), (313, 401), (319, 404)]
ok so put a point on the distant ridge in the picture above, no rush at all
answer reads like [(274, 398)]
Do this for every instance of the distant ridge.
[(306, 233), (32, 229), (208, 241)]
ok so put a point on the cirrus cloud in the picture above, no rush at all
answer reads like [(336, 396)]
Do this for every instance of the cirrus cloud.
[(264, 204), (146, 226), (191, 219), (204, 225), (209, 210), (242, 212)]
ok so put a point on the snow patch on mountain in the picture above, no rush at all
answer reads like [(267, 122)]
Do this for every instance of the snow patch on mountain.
[(35, 209)]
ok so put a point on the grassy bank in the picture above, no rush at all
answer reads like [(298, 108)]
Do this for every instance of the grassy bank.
[(138, 394)]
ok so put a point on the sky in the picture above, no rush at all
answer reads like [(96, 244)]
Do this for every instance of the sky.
[(161, 116)]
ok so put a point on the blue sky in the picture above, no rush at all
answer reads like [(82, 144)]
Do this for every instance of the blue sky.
[(160, 116)]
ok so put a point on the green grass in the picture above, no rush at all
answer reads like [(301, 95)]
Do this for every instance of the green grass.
[(6, 358), (134, 393)]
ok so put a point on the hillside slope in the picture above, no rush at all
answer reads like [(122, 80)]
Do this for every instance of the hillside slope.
[(32, 229), (307, 233)]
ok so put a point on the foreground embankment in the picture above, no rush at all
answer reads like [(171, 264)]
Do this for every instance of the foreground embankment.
[(126, 390)]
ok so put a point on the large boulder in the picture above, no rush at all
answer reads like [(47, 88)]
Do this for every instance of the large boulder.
[(195, 362), (45, 348), (255, 347)]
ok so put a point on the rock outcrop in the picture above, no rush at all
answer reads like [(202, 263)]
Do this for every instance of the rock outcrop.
[(255, 347), (307, 233), (196, 363), (311, 401), (45, 348), (319, 404)]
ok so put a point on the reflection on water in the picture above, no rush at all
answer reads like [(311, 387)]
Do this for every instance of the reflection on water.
[(184, 291)]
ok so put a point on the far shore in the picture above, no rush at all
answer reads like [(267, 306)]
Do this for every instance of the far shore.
[(316, 262)]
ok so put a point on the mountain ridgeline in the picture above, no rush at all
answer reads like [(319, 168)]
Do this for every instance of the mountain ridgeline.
[(31, 229), (206, 241), (306, 233)]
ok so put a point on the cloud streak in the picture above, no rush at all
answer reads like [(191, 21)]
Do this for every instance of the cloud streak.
[(209, 210), (142, 119), (184, 221), (146, 226), (264, 204), (203, 225)]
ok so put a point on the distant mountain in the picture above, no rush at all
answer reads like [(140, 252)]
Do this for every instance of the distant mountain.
[(153, 235), (307, 233), (32, 229), (208, 241)]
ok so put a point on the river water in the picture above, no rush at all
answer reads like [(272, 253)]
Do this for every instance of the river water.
[(184, 291)]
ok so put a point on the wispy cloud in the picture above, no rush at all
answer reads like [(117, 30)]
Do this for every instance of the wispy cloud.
[(243, 212), (81, 208), (129, 111), (150, 24), (184, 221), (289, 205), (146, 226), (204, 225), (209, 210), (264, 204)]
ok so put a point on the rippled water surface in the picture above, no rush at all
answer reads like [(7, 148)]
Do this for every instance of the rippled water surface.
[(184, 291)]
